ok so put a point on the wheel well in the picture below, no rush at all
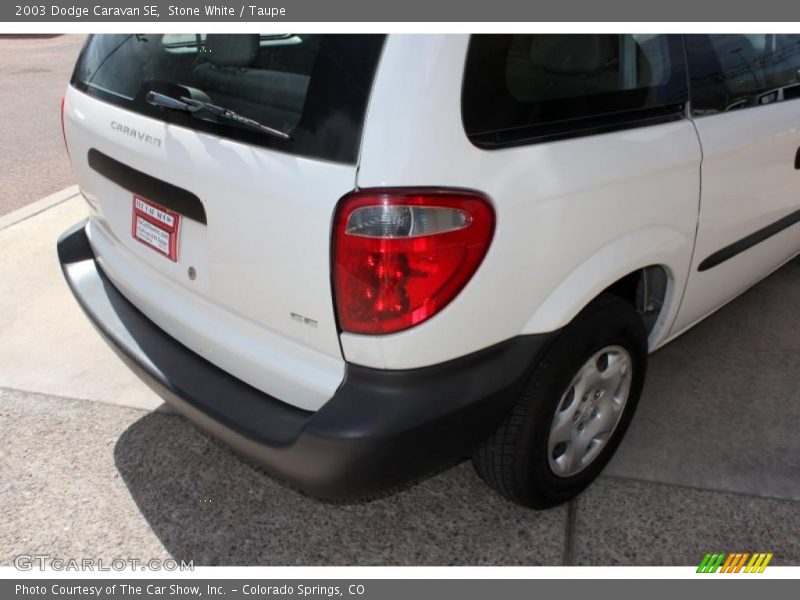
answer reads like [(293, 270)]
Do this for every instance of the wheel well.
[(646, 290)]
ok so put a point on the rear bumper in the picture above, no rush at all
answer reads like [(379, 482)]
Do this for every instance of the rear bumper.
[(380, 429)]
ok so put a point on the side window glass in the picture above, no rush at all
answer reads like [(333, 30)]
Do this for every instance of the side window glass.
[(526, 88), (729, 72)]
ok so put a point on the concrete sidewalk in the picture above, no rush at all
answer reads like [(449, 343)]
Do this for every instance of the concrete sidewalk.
[(46, 343), (712, 461)]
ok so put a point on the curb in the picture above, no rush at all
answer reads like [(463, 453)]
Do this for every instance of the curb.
[(26, 212)]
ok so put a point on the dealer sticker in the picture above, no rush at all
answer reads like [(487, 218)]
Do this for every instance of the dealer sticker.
[(155, 227)]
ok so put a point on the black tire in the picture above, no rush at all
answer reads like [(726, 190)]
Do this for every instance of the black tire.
[(514, 461)]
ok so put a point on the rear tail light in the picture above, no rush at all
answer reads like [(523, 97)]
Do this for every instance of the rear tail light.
[(63, 129), (400, 256)]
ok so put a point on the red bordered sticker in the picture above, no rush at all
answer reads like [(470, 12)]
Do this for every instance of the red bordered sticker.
[(156, 227)]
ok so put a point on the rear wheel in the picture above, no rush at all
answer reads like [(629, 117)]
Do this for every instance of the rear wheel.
[(573, 411)]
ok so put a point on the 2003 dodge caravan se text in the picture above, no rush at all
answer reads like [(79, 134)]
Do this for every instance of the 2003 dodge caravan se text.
[(360, 258)]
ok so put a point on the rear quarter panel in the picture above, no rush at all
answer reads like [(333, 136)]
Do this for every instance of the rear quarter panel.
[(573, 216)]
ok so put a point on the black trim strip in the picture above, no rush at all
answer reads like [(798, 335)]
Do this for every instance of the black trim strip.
[(167, 195), (728, 252)]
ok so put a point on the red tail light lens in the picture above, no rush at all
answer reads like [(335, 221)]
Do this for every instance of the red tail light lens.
[(400, 256)]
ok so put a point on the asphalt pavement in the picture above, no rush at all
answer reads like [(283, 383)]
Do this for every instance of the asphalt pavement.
[(34, 71)]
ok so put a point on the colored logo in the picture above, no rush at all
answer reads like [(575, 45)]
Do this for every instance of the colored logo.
[(737, 562)]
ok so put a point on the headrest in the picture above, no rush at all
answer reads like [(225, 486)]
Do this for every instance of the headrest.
[(571, 53), (232, 50)]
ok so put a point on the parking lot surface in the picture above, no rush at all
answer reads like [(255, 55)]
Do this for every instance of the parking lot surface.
[(34, 70), (98, 468)]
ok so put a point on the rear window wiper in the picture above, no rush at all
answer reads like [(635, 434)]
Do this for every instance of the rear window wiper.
[(191, 105)]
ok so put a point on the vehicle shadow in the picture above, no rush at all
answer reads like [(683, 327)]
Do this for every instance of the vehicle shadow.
[(208, 505)]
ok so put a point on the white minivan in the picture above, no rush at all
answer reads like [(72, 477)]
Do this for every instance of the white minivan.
[(359, 259)]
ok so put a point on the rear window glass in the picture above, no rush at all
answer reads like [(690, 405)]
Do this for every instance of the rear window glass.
[(314, 88), (729, 72), (522, 88)]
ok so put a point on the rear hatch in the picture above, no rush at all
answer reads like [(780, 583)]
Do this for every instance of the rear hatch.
[(217, 224)]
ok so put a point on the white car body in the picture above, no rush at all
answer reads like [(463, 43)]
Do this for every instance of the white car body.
[(574, 216)]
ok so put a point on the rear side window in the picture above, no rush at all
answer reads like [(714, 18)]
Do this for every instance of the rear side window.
[(312, 87), (729, 72), (528, 88)]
